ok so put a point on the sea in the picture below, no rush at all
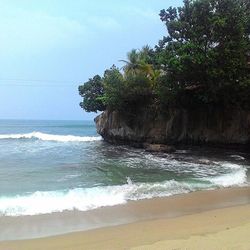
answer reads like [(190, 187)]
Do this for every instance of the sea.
[(57, 166)]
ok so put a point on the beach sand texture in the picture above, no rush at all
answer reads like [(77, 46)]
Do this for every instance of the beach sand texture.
[(216, 228)]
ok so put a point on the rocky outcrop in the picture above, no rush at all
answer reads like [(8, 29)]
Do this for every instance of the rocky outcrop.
[(215, 126), (159, 148)]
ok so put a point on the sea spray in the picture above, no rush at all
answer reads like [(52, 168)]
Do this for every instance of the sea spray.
[(91, 198), (51, 137)]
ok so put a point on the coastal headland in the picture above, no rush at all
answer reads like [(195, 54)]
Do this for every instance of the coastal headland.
[(210, 126), (64, 188)]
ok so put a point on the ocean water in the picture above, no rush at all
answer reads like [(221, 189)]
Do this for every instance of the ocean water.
[(55, 166)]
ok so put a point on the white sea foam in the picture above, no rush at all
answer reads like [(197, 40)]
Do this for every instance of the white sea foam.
[(237, 176), (89, 198), (51, 137), (230, 165), (237, 157), (84, 199)]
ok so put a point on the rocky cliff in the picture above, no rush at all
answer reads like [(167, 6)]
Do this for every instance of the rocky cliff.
[(210, 126)]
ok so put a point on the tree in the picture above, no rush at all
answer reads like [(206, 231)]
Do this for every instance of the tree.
[(92, 92), (133, 63), (206, 46), (114, 85), (140, 63), (204, 60)]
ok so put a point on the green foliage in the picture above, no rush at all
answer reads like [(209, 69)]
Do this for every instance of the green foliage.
[(123, 92), (92, 93), (166, 92), (206, 47), (114, 85), (137, 88), (204, 60), (140, 63)]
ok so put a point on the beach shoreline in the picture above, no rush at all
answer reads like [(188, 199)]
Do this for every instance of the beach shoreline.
[(230, 206)]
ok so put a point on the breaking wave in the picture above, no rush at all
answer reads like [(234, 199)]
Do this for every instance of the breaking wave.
[(237, 176), (51, 137), (84, 199)]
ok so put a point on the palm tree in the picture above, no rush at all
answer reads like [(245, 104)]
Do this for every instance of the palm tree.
[(145, 53), (133, 63), (137, 63)]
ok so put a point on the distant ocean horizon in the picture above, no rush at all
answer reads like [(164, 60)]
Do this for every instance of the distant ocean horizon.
[(58, 165)]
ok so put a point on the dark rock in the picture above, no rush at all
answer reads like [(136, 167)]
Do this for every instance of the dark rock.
[(159, 148), (176, 126)]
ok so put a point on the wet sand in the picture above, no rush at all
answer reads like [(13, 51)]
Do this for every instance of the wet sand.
[(218, 219)]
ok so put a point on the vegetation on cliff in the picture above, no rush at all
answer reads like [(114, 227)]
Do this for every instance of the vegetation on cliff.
[(204, 60)]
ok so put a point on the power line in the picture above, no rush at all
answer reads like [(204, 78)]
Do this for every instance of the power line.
[(33, 80), (27, 83), (38, 85)]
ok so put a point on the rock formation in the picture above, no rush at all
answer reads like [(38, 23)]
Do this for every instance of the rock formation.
[(176, 126)]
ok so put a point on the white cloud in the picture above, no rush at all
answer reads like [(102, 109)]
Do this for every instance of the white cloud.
[(23, 31), (104, 23), (147, 13)]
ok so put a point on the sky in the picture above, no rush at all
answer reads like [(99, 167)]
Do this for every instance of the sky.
[(50, 47)]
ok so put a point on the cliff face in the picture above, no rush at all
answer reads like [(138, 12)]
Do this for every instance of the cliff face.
[(176, 126)]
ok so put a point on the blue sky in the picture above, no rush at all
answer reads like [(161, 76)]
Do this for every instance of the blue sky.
[(49, 47)]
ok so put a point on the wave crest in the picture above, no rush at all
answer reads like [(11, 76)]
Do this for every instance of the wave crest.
[(51, 137), (237, 177), (84, 199)]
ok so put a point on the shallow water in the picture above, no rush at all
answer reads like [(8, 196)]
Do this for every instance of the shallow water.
[(53, 166)]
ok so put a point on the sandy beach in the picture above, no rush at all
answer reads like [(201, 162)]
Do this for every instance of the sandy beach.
[(218, 219)]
